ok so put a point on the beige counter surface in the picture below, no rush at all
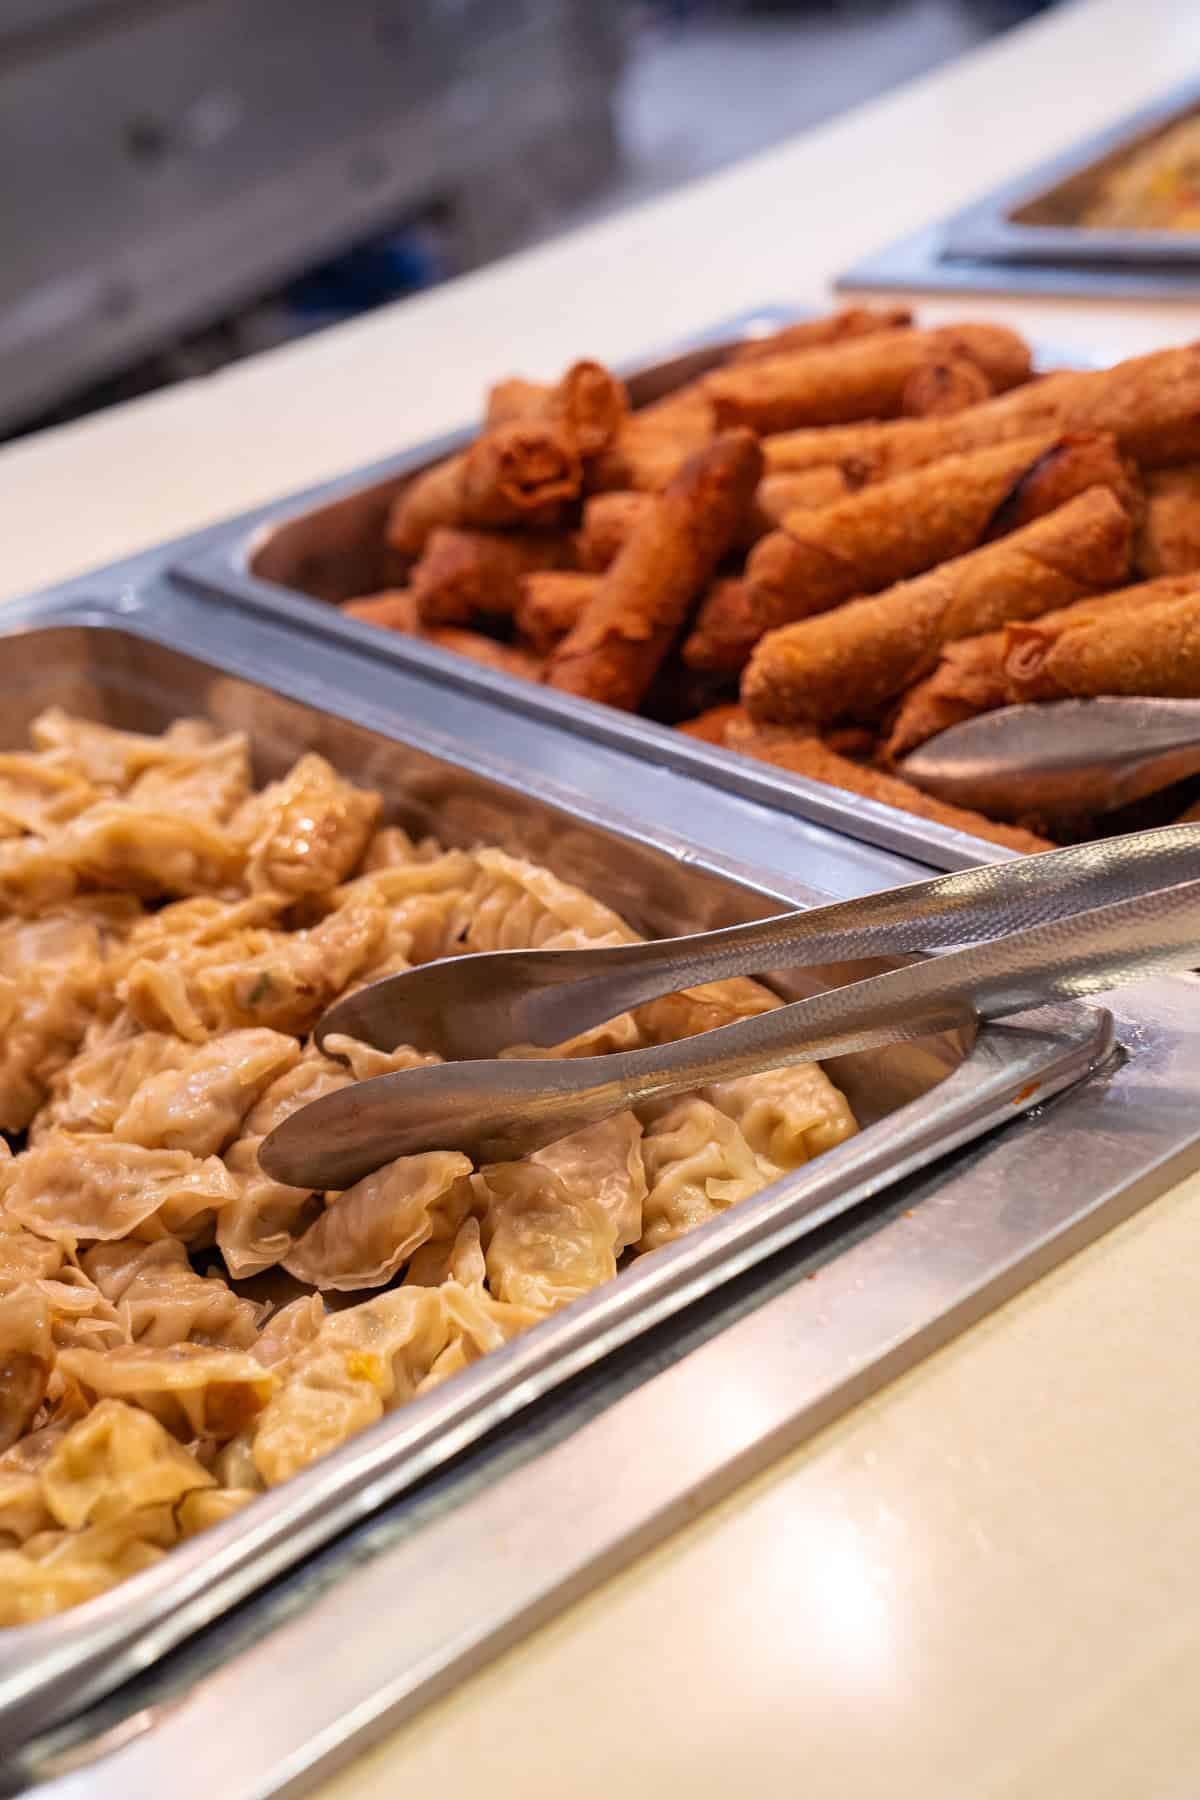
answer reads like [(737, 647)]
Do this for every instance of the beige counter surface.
[(983, 1582)]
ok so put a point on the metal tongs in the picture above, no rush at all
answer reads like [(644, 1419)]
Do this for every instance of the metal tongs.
[(1062, 925)]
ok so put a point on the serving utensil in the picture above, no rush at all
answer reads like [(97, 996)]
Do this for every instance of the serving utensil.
[(1064, 760), (1062, 925)]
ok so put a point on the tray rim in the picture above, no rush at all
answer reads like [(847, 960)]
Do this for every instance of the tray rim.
[(89, 1650)]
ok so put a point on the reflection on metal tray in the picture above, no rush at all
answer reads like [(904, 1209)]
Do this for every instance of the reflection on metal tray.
[(918, 264), (1035, 218), (660, 1391), (328, 544)]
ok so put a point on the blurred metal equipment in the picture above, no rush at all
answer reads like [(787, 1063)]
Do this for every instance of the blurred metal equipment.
[(172, 159)]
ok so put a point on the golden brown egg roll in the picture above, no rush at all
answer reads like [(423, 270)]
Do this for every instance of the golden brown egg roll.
[(805, 755), (970, 676), (850, 662), (813, 334), (550, 604), (520, 473), (944, 385), (464, 575), (893, 530), (618, 645), (589, 401), (608, 520), (395, 609), (1151, 404), (508, 658), (864, 378), (1151, 649), (1168, 539), (654, 442)]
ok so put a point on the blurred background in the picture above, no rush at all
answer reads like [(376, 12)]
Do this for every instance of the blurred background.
[(189, 181)]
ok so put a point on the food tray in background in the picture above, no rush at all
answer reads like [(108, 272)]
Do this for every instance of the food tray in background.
[(1024, 238), (297, 560), (683, 1375)]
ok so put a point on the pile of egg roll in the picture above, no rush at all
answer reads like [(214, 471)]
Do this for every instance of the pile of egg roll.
[(847, 537)]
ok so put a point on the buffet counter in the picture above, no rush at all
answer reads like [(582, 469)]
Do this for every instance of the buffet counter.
[(971, 1584)]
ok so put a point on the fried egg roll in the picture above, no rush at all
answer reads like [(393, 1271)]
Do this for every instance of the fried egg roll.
[(465, 575), (514, 474), (813, 334), (508, 658), (589, 401), (550, 604), (804, 755), (608, 520), (654, 442), (641, 602), (864, 378), (970, 678), (849, 663), (894, 530), (944, 385), (712, 725), (1151, 649), (395, 609), (1168, 541), (1151, 404)]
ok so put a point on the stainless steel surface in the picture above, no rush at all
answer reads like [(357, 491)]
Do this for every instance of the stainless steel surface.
[(476, 1006), (1034, 218), (1067, 761), (48, 1670), (255, 1703), (328, 543), (919, 264), (180, 160)]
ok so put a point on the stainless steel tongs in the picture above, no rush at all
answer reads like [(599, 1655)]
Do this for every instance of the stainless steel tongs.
[(1062, 925)]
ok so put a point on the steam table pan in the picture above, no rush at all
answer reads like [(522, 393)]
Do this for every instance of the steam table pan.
[(274, 1645)]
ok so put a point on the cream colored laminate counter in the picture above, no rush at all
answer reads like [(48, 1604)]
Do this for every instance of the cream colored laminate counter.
[(983, 1582)]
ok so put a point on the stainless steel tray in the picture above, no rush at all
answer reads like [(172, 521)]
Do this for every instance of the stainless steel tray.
[(521, 1449), (1031, 219), (328, 543)]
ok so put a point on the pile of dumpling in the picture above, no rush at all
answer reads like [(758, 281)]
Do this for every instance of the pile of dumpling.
[(168, 938)]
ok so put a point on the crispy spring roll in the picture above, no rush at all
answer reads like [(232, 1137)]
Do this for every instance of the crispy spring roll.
[(550, 604), (654, 443), (1150, 650), (864, 378), (1151, 404), (712, 725), (514, 474), (970, 676), (589, 401), (608, 521), (1168, 542), (616, 648), (808, 756), (894, 530), (465, 575), (472, 644), (944, 385), (851, 662), (395, 609), (815, 334)]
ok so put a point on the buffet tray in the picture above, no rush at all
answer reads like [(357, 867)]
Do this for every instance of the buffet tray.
[(263, 1650), (1019, 239), (295, 560)]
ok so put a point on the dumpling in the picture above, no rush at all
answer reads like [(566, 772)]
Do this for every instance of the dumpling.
[(305, 834), (697, 1164), (36, 797), (209, 784), (786, 1115), (110, 757), (78, 1188), (517, 905), (545, 1243), (604, 1163), (26, 1359), (118, 844), (367, 1232), (192, 1390), (199, 1105), (362, 1362), (113, 1461), (164, 1301), (52, 982)]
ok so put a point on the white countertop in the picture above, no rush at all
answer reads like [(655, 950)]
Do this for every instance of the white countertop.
[(982, 1582)]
